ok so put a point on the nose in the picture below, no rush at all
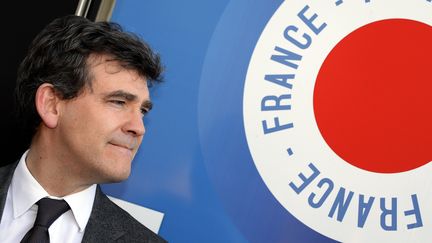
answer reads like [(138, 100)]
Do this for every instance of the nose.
[(135, 124)]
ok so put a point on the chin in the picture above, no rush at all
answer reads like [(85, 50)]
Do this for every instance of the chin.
[(115, 168), (123, 173), (118, 177), (117, 174)]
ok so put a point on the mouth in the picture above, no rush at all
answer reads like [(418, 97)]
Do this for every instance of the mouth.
[(131, 148), (125, 145), (124, 150)]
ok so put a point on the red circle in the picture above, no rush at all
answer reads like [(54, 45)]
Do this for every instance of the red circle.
[(372, 99)]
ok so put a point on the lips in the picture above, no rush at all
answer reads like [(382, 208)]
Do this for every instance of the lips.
[(126, 142), (122, 146)]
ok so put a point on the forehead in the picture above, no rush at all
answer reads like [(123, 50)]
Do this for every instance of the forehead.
[(108, 74)]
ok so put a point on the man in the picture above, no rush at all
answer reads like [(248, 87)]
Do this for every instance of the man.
[(82, 92)]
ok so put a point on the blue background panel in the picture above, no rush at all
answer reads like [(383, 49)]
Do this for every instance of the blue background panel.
[(194, 164)]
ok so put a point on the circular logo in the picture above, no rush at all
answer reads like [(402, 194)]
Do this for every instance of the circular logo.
[(337, 119)]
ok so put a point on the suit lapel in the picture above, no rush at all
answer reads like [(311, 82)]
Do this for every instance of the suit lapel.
[(103, 224), (6, 174)]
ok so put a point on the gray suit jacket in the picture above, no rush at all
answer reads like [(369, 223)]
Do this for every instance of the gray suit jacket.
[(107, 223)]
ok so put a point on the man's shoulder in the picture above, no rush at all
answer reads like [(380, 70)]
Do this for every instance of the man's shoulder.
[(6, 173), (8, 168), (134, 227), (111, 216)]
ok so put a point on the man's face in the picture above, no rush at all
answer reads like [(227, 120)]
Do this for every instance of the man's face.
[(100, 131)]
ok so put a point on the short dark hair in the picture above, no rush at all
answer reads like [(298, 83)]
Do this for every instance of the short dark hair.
[(59, 53)]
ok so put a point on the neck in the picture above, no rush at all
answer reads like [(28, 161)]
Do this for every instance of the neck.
[(51, 169)]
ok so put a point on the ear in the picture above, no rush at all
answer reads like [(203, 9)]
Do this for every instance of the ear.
[(46, 102)]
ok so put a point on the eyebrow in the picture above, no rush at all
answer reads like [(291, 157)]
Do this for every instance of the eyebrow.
[(147, 104)]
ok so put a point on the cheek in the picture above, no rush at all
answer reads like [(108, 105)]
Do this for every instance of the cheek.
[(81, 127), (92, 125)]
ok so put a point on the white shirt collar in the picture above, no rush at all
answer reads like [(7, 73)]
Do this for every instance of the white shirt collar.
[(26, 191)]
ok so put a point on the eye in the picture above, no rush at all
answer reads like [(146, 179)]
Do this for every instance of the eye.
[(118, 102), (144, 111)]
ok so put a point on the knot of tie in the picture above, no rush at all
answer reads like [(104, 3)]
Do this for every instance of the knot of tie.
[(48, 211)]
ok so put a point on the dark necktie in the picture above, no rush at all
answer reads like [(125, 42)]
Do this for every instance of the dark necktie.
[(48, 211)]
